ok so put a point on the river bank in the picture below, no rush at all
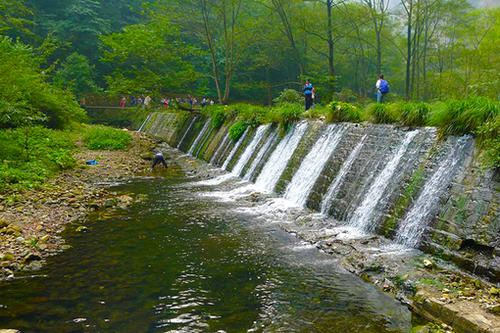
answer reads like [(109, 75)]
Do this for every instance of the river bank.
[(31, 222)]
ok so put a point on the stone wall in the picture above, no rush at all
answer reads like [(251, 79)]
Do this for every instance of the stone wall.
[(466, 227)]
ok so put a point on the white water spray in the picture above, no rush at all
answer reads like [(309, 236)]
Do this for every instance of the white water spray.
[(412, 227), (335, 186), (249, 150), (271, 140), (362, 215), (304, 179), (278, 160), (199, 137), (235, 149)]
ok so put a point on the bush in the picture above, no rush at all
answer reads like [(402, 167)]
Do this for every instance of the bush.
[(342, 112), (458, 117), (285, 115), (288, 96), (489, 140), (253, 115), (106, 138), (237, 130), (412, 114), (380, 113), (29, 155)]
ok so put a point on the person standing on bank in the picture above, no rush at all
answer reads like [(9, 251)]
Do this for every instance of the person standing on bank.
[(159, 158), (308, 92), (382, 88)]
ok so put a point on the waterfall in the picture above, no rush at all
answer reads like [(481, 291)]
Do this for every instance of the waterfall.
[(362, 215), (187, 132), (412, 227), (145, 122), (204, 141), (335, 186), (247, 154), (278, 160), (220, 148), (304, 179), (199, 137), (235, 149), (271, 140)]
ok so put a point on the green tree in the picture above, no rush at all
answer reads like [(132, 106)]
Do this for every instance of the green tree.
[(76, 74)]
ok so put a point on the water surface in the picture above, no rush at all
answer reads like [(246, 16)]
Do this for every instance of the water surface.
[(180, 262)]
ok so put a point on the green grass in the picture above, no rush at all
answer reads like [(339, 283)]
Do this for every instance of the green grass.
[(106, 138), (380, 113), (343, 112), (30, 155)]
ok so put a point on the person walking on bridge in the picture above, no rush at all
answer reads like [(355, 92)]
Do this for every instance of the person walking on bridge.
[(308, 93)]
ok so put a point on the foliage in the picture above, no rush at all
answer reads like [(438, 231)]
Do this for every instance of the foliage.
[(343, 112), (106, 138), (29, 155), (237, 130), (25, 96), (285, 115), (489, 140), (457, 117), (288, 96), (380, 113), (76, 74), (411, 114)]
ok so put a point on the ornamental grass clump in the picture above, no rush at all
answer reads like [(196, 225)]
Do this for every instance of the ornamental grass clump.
[(342, 112), (411, 113), (237, 130), (380, 113)]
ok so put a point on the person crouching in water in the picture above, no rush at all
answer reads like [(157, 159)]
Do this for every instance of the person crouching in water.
[(159, 158)]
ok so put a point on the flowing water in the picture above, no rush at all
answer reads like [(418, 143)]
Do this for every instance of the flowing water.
[(270, 141), (247, 154), (185, 133), (145, 122), (362, 216), (413, 226), (219, 149), (235, 149), (179, 262), (303, 181), (279, 158), (199, 137), (334, 187)]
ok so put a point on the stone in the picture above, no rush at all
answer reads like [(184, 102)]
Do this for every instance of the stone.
[(20, 240), (428, 263), (110, 203), (9, 330), (65, 247), (494, 291), (8, 257), (44, 239), (31, 257), (4, 223), (81, 229)]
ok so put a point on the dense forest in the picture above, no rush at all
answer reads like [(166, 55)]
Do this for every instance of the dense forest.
[(251, 50)]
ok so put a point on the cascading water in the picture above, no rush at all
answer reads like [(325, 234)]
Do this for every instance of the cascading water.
[(412, 227), (362, 215), (235, 149), (199, 137), (204, 142), (304, 179), (279, 158), (334, 187), (247, 154), (219, 149), (187, 132), (145, 122), (271, 140)]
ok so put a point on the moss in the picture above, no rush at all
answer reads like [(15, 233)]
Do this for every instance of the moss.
[(403, 202)]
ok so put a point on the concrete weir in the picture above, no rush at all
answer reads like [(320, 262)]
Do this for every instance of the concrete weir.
[(416, 191)]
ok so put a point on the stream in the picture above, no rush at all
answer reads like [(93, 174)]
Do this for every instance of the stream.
[(183, 262)]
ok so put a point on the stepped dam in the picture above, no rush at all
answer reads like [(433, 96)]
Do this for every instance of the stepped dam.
[(407, 185)]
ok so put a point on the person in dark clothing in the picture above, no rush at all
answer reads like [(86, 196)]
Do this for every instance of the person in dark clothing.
[(308, 92), (159, 158)]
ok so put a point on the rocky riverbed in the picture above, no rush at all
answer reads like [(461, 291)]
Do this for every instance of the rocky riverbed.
[(31, 222)]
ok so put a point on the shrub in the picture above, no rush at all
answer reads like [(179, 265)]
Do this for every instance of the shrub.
[(458, 117), (237, 130), (253, 115), (342, 112), (29, 155), (412, 114), (380, 113), (285, 115), (489, 140), (106, 138), (288, 96)]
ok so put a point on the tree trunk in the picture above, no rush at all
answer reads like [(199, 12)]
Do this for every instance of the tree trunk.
[(331, 69)]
